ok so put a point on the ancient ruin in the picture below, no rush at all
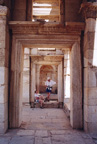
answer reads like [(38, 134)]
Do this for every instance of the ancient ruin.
[(49, 38)]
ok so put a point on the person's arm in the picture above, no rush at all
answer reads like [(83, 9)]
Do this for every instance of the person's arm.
[(53, 82)]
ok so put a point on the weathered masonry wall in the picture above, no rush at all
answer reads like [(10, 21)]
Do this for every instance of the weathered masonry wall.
[(3, 70), (72, 10), (90, 68), (69, 10), (22, 10)]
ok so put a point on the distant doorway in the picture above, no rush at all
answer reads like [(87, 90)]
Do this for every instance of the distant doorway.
[(48, 71)]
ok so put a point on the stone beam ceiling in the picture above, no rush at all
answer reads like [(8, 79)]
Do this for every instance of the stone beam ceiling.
[(47, 60)]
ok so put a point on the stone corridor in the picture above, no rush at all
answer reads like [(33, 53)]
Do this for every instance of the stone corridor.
[(46, 126)]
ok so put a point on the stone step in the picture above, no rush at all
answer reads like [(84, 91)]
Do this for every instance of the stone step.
[(50, 104), (52, 96)]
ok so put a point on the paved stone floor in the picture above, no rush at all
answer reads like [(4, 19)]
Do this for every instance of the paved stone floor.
[(46, 126)]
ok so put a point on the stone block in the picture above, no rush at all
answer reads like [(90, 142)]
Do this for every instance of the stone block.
[(87, 62), (5, 140), (89, 78), (3, 10), (90, 127), (4, 59), (88, 54), (3, 31), (47, 140), (3, 94), (90, 117), (38, 140), (34, 51), (19, 15), (3, 75), (3, 112), (22, 140), (90, 113), (76, 118), (2, 44), (25, 132), (89, 41), (90, 96), (90, 25), (41, 133), (20, 4), (3, 127)]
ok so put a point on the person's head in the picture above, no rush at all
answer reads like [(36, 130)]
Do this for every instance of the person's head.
[(48, 79), (36, 91)]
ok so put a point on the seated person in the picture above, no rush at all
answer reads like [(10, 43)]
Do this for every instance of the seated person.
[(39, 98)]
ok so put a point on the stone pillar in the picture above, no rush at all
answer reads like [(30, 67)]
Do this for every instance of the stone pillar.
[(26, 79), (90, 67), (3, 71), (76, 87), (37, 76), (33, 81), (66, 76), (16, 79), (60, 84)]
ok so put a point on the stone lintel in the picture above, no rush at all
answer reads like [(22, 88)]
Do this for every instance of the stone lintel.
[(89, 10), (46, 28), (3, 10), (48, 59)]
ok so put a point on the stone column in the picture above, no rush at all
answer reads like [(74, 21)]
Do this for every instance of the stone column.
[(76, 87), (67, 75), (3, 71), (37, 76), (26, 78), (16, 79), (33, 81), (60, 84), (90, 66)]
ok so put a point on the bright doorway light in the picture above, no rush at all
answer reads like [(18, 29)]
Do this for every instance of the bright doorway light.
[(46, 49)]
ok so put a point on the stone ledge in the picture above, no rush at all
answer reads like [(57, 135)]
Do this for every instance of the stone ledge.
[(47, 28), (3, 10)]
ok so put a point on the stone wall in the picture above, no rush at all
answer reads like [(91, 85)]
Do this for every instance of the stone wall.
[(69, 11), (72, 10), (3, 70), (19, 10), (90, 75)]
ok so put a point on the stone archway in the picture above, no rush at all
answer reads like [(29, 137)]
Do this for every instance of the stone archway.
[(47, 71), (16, 73)]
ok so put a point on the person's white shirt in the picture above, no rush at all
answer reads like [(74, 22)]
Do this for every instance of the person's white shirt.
[(36, 94), (50, 83)]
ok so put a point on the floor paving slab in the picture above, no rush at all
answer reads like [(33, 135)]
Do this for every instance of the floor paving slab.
[(46, 126)]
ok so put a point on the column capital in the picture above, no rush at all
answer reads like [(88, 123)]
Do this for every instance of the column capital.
[(3, 10), (89, 10)]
